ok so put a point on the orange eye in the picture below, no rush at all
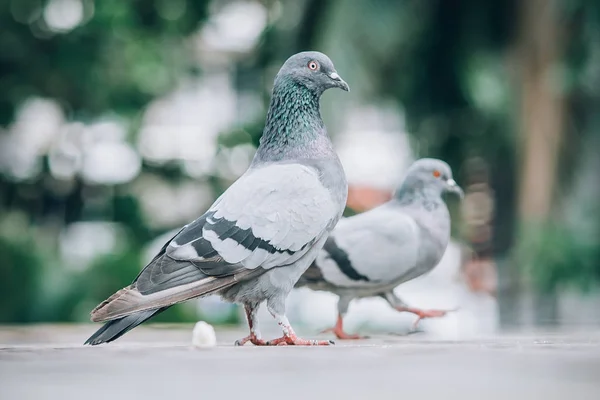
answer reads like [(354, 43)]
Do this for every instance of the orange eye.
[(313, 65), (436, 173)]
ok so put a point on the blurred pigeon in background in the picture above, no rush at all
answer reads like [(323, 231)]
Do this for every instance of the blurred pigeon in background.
[(257, 239), (371, 253)]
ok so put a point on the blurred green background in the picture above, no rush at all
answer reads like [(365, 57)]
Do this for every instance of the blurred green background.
[(123, 120)]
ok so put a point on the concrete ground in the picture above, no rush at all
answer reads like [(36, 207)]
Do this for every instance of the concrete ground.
[(157, 362)]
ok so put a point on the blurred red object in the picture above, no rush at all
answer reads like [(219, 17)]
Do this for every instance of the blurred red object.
[(363, 198), (480, 274), (478, 212)]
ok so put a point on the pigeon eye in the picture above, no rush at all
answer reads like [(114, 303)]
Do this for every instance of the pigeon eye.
[(437, 173), (313, 65)]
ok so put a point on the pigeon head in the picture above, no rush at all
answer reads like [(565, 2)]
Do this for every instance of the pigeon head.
[(294, 128), (311, 69), (430, 176)]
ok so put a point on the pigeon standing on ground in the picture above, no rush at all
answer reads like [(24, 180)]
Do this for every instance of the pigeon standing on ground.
[(257, 239), (371, 253)]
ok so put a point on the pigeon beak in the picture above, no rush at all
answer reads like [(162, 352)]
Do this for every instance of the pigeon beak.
[(454, 188), (339, 82)]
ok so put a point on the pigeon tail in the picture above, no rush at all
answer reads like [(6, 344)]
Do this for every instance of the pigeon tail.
[(116, 328), (129, 301)]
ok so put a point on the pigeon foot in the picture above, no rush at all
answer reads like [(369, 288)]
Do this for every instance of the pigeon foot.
[(289, 336), (252, 338), (293, 340)]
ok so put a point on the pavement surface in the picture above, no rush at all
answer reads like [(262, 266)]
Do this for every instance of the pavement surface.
[(158, 362)]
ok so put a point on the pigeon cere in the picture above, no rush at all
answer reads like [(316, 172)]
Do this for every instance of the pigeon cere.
[(299, 199)]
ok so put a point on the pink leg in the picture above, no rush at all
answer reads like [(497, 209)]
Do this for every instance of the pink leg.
[(338, 331), (422, 314), (289, 336), (254, 336)]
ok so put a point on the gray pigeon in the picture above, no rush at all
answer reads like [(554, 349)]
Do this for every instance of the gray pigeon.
[(371, 253), (257, 239)]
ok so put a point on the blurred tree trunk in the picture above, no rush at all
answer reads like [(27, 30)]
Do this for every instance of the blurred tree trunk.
[(542, 112)]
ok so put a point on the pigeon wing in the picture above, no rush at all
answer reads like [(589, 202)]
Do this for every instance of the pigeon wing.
[(269, 217), (373, 248)]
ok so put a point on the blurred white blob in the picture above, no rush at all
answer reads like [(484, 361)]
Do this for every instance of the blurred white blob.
[(374, 149), (63, 15), (184, 125), (107, 130), (65, 158), (167, 205), (16, 162), (81, 242), (235, 27), (36, 126), (110, 163), (37, 123), (203, 335), (98, 152)]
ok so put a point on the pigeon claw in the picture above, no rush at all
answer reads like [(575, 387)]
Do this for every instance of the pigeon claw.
[(293, 340), (252, 339)]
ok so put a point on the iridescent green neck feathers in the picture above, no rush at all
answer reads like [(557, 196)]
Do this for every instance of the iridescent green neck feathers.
[(293, 121)]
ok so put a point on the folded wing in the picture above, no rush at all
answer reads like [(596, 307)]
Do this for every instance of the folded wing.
[(269, 217), (372, 248)]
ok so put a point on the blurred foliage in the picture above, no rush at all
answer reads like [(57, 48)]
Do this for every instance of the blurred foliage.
[(555, 257), (20, 272), (448, 64), (123, 57)]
